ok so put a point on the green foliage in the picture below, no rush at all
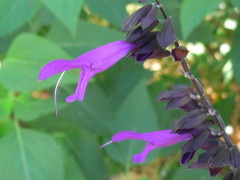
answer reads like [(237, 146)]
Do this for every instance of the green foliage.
[(113, 11), (236, 3), (23, 58), (15, 13), (193, 13), (35, 144), (236, 53), (66, 11), (28, 154), (198, 174)]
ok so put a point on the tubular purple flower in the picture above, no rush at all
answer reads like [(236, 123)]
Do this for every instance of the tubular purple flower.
[(91, 63), (156, 139)]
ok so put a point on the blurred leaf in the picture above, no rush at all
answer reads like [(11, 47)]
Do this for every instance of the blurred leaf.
[(28, 109), (201, 33), (199, 174), (114, 11), (236, 53), (226, 111), (6, 127), (84, 146), (6, 105), (236, 3), (46, 17), (72, 170), (88, 37), (66, 11), (15, 13), (94, 113), (133, 116), (193, 13), (27, 154), (120, 80), (26, 56)]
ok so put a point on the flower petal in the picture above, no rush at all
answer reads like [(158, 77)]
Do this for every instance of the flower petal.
[(91, 63), (156, 139), (140, 158), (57, 66), (84, 78), (161, 138), (101, 58)]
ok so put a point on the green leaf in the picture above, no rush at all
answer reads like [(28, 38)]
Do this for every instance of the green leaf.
[(27, 155), (88, 37), (199, 174), (193, 13), (94, 113), (72, 169), (26, 56), (236, 3), (28, 109), (201, 33), (66, 11), (133, 116), (6, 105), (15, 13), (236, 53), (84, 146), (114, 11)]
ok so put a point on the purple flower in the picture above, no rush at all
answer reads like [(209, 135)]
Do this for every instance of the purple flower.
[(156, 139), (91, 63)]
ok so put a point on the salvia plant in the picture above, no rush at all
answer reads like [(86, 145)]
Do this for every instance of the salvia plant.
[(201, 128)]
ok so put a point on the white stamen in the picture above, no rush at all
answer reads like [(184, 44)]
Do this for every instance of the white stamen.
[(109, 142), (55, 92)]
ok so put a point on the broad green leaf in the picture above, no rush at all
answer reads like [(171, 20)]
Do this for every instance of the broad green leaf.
[(236, 3), (6, 126), (94, 113), (72, 169), (15, 13), (28, 155), (135, 114), (26, 56), (28, 109), (201, 33), (66, 11), (88, 37), (114, 11), (6, 105), (199, 174), (193, 13), (84, 146), (236, 53)]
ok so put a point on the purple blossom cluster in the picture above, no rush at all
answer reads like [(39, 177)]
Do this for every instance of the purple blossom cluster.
[(144, 41)]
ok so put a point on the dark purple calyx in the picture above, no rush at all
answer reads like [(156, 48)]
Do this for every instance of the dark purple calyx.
[(149, 18), (134, 36), (130, 22), (191, 120), (167, 35), (234, 157)]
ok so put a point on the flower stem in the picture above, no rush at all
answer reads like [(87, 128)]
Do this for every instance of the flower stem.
[(202, 98)]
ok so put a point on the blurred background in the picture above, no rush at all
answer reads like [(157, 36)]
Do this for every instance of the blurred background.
[(34, 144)]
